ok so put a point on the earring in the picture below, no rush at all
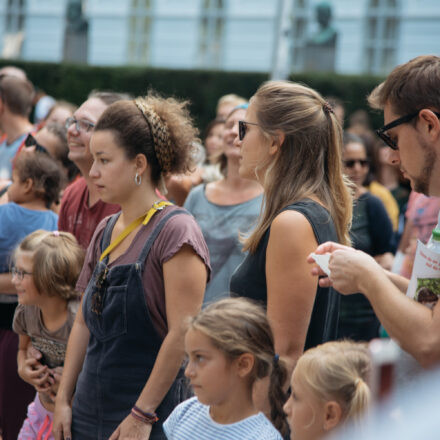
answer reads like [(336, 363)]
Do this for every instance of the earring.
[(137, 179)]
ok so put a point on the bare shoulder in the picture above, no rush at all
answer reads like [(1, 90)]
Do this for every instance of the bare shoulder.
[(291, 230)]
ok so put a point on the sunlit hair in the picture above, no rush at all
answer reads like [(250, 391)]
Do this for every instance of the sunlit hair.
[(57, 261), (338, 371), (230, 99), (308, 163), (237, 326), (410, 87)]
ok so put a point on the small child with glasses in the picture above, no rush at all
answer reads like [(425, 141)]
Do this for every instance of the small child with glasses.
[(47, 265)]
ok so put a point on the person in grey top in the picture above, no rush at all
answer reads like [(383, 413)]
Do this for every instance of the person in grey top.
[(225, 209)]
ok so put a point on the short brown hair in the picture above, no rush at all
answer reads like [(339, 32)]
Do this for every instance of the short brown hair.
[(410, 86), (44, 172), (17, 94), (57, 262)]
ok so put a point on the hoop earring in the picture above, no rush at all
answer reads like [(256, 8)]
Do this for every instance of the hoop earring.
[(138, 179)]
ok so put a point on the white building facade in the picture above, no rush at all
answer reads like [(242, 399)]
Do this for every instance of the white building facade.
[(238, 35)]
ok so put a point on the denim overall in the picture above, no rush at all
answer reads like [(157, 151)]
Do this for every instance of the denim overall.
[(122, 349)]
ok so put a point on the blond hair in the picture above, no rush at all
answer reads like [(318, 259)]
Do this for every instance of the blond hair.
[(57, 261), (338, 371), (230, 99), (237, 326), (308, 163)]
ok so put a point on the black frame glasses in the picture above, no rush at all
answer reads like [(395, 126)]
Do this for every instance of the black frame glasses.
[(242, 128), (30, 141), (349, 163), (80, 124), (19, 273), (381, 132)]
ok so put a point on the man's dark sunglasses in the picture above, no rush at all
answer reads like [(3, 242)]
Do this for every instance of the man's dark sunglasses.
[(242, 128), (32, 142), (381, 132)]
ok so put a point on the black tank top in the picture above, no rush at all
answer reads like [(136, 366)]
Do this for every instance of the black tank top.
[(249, 279)]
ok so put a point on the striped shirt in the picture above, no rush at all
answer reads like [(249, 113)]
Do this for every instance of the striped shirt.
[(191, 421)]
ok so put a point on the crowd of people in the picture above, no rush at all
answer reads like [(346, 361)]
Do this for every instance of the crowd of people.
[(155, 285)]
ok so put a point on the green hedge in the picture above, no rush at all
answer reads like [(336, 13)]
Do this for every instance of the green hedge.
[(202, 88)]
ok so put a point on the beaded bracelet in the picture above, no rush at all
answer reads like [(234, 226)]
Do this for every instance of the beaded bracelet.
[(142, 416)]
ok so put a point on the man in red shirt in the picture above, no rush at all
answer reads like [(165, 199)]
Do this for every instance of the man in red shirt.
[(81, 208)]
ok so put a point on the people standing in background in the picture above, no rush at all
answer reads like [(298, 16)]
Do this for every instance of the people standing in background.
[(224, 209), (15, 107), (81, 207), (370, 232)]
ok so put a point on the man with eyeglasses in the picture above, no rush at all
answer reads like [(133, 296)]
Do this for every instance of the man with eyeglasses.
[(81, 208), (410, 99), (16, 95)]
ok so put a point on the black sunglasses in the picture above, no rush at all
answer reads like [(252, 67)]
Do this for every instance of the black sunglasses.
[(350, 163), (381, 132), (242, 128), (32, 142)]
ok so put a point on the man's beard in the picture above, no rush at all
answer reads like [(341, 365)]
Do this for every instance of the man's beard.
[(421, 183)]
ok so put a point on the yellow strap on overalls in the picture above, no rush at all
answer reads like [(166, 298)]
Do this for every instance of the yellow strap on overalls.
[(144, 219)]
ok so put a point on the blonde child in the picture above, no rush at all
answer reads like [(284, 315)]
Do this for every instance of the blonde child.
[(229, 347), (47, 265), (329, 387)]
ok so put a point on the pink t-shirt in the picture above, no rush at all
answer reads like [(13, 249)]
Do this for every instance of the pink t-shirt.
[(177, 231)]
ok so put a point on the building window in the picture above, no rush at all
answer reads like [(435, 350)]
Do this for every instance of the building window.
[(14, 28), (212, 20), (381, 35), (140, 21)]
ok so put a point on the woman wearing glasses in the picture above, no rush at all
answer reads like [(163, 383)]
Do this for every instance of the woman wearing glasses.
[(291, 143), (224, 209), (144, 274), (371, 232)]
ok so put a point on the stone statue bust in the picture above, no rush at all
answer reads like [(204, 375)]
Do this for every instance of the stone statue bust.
[(320, 48), (326, 35)]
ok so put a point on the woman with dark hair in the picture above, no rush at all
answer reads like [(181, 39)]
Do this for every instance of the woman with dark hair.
[(370, 232), (144, 274)]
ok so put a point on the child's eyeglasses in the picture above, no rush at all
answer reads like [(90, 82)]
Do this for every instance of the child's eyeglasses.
[(80, 124), (242, 128), (32, 142), (352, 162), (19, 274)]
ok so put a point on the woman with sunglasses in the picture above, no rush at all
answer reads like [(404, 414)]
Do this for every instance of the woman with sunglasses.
[(225, 209), (371, 231), (291, 142)]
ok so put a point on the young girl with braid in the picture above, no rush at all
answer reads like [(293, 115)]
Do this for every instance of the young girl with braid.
[(329, 387), (144, 274), (229, 346)]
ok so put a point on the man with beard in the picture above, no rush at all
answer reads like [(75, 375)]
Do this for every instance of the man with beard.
[(410, 99)]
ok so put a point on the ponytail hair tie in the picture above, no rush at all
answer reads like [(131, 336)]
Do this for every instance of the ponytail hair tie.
[(357, 382), (56, 233), (327, 108), (276, 358)]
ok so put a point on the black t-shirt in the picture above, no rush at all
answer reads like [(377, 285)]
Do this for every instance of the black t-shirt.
[(249, 280)]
